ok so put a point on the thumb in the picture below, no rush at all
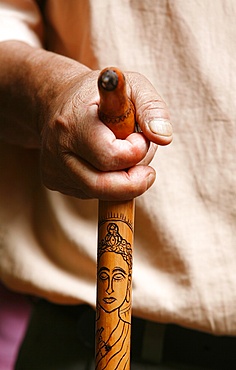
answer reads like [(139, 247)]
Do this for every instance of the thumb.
[(151, 111)]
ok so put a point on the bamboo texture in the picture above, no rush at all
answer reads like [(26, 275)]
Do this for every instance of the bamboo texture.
[(115, 240)]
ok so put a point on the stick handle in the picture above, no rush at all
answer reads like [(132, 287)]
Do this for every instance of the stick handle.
[(115, 241)]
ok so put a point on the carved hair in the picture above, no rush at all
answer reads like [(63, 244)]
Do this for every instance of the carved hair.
[(113, 242)]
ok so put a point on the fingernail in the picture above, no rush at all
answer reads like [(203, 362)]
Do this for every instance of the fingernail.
[(150, 179), (160, 126)]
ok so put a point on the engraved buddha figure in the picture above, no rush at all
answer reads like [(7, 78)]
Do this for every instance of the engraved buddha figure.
[(114, 279)]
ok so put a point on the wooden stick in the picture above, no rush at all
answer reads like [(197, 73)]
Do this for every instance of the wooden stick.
[(115, 240)]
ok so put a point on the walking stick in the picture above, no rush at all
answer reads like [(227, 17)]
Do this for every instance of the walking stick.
[(115, 240)]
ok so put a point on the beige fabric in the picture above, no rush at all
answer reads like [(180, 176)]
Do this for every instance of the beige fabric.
[(185, 244), (21, 20)]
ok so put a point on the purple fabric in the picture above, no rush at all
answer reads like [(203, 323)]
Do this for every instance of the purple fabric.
[(15, 310)]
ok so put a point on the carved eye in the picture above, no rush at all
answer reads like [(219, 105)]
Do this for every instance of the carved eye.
[(119, 276), (103, 276)]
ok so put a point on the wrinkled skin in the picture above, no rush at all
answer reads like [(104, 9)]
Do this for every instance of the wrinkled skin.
[(80, 156)]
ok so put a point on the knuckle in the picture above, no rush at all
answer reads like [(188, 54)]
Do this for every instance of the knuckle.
[(109, 161)]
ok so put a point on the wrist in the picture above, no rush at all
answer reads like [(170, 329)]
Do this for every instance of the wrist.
[(31, 82)]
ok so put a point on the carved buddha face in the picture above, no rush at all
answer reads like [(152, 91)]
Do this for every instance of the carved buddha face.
[(113, 280)]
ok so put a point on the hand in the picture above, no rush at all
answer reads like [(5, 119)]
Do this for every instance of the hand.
[(81, 157), (55, 102)]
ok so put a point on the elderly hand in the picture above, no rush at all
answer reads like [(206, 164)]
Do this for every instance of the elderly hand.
[(80, 156)]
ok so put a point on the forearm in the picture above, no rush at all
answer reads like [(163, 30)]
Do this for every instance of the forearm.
[(30, 81)]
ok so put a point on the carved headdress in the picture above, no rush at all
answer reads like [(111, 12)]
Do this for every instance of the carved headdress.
[(113, 242)]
